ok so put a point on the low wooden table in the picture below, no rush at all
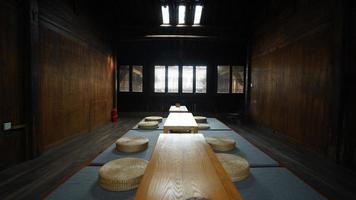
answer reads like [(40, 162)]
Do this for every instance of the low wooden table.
[(180, 122), (178, 109), (184, 166)]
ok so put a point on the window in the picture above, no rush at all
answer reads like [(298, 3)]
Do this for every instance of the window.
[(130, 78), (181, 14), (173, 76), (194, 78), (187, 79), (237, 79), (137, 75), (223, 79), (160, 79), (200, 79), (237, 85), (124, 78), (197, 14), (165, 14)]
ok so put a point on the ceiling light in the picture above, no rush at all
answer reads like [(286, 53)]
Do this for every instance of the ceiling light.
[(181, 19), (165, 14), (197, 15)]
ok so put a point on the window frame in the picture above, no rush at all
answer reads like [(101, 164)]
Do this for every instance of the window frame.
[(180, 80), (130, 78), (230, 83)]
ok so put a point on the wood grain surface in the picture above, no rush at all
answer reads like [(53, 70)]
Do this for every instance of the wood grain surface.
[(178, 109), (180, 122), (184, 166)]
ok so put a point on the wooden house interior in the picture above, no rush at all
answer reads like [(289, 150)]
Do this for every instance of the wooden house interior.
[(178, 99)]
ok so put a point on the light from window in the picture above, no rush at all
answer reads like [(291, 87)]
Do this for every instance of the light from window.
[(197, 14), (124, 78), (165, 14), (200, 79), (223, 79), (160, 79), (187, 79), (173, 76), (137, 75), (181, 15), (237, 85)]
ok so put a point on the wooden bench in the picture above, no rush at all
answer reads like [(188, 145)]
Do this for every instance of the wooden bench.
[(180, 122), (184, 166), (178, 109)]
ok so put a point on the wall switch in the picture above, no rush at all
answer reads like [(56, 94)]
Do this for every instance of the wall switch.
[(7, 126)]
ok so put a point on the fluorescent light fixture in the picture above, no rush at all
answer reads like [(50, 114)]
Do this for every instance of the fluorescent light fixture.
[(197, 15), (179, 36), (181, 19), (165, 14)]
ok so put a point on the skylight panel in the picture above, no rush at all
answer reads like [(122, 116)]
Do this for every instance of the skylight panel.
[(181, 16), (165, 14), (197, 14)]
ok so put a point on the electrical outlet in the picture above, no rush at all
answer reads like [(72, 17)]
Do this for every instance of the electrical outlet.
[(7, 126)]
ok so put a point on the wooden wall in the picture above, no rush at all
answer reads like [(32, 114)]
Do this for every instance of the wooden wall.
[(350, 96), (76, 72), (77, 87), (57, 74), (12, 83), (292, 72)]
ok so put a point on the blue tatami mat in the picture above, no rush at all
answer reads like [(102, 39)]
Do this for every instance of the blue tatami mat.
[(160, 125), (214, 123), (245, 149), (275, 183), (272, 183), (111, 153), (83, 185)]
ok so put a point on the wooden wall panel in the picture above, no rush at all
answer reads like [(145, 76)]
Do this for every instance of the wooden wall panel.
[(77, 87), (291, 73), (12, 80)]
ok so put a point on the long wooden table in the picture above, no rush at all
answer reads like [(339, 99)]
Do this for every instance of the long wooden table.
[(184, 166), (180, 122), (178, 109)]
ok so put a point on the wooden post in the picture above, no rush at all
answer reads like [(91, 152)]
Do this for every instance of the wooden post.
[(33, 90)]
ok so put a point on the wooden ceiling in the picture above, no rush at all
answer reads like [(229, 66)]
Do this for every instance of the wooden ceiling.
[(143, 17)]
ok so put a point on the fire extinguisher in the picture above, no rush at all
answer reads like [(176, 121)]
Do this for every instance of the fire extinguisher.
[(114, 115)]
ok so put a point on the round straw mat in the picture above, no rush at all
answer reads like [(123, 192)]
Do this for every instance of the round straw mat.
[(221, 143), (200, 119), (153, 118), (237, 167), (203, 126), (122, 174), (131, 144), (148, 125)]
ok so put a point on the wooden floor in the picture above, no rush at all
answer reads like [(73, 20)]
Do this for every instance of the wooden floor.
[(34, 179), (325, 176)]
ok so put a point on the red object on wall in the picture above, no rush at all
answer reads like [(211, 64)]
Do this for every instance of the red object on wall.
[(114, 115)]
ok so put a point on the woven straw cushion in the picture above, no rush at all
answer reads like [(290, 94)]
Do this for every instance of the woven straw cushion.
[(122, 174), (132, 144), (237, 167), (148, 125), (202, 126), (153, 118), (221, 143), (200, 119)]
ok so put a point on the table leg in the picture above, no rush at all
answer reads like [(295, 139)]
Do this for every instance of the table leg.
[(195, 130)]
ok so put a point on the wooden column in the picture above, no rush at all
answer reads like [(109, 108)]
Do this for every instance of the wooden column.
[(33, 73)]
